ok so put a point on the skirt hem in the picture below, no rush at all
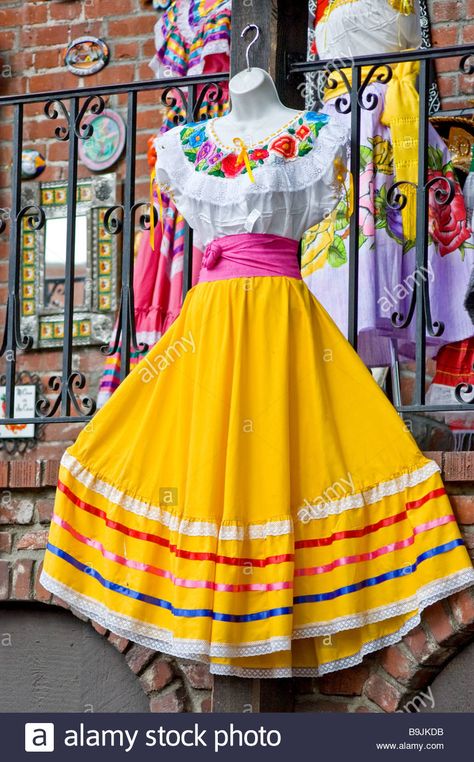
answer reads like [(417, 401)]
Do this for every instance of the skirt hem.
[(114, 622)]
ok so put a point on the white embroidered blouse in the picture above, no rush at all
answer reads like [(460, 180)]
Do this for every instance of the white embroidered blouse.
[(299, 176), (366, 27)]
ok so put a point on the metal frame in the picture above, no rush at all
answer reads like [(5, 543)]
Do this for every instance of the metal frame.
[(93, 321)]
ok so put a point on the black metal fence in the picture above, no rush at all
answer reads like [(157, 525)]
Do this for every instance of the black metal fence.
[(71, 108)]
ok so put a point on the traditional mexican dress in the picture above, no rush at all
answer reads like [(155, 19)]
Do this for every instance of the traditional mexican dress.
[(387, 262), (191, 38), (249, 497)]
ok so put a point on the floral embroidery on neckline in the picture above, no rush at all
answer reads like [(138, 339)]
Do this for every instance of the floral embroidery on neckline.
[(296, 139)]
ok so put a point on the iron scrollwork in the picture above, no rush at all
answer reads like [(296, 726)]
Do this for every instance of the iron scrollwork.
[(54, 109), (396, 200), (46, 408)]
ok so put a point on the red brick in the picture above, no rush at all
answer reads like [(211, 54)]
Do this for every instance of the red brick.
[(444, 35), (468, 535), (459, 466), (40, 593), (347, 682), (416, 642), (44, 83), (8, 40), (98, 627), (447, 85), (24, 473), (446, 65), (382, 693), (49, 59), (197, 675), (61, 11), (468, 33), (36, 36), (128, 27), (148, 48), (4, 580), (34, 13), (6, 131), (119, 643), (112, 75), (463, 506), (4, 479), (465, 88), (95, 8), (8, 18), (22, 574), (138, 657), (50, 473), (168, 702), (45, 507), (158, 675), (462, 605), (15, 511), (33, 540), (439, 623), (446, 10), (124, 50), (5, 542), (147, 119), (145, 73), (398, 664)]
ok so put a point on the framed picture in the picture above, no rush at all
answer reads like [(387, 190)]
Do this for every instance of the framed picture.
[(24, 407), (105, 146)]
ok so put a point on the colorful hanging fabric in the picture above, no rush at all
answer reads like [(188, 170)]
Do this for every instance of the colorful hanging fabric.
[(158, 273)]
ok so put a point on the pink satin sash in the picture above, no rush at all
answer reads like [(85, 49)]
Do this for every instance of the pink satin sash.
[(250, 254)]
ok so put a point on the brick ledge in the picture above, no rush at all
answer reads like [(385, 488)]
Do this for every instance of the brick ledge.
[(34, 474)]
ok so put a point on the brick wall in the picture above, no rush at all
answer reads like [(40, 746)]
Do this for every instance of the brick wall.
[(453, 24)]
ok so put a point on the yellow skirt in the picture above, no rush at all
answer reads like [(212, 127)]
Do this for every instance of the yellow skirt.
[(249, 497)]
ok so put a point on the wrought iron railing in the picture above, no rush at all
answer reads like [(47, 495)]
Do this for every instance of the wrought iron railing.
[(73, 107), (356, 100), (67, 405)]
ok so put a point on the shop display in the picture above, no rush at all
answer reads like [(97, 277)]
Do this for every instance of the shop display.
[(230, 504), (389, 153)]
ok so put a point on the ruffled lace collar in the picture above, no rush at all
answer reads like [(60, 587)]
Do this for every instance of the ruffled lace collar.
[(206, 152)]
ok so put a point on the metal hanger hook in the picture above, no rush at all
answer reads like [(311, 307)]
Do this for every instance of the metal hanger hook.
[(257, 35)]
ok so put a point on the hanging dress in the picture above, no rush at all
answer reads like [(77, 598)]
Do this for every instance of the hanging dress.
[(387, 261), (249, 497), (191, 38)]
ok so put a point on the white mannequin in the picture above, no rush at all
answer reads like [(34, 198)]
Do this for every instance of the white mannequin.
[(257, 111)]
